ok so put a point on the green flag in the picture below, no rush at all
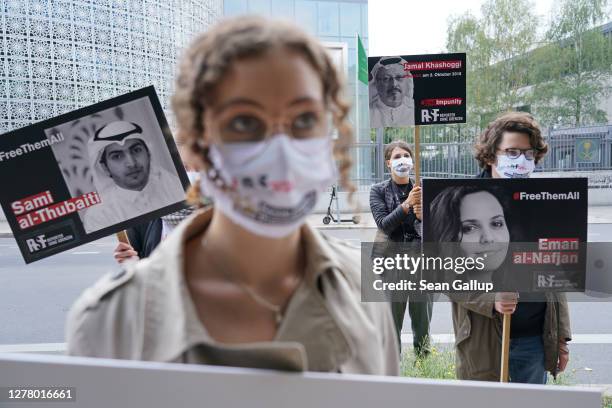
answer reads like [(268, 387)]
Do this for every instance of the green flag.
[(362, 62)]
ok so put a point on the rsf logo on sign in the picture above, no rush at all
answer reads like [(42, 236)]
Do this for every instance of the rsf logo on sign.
[(546, 281), (36, 244), (429, 115)]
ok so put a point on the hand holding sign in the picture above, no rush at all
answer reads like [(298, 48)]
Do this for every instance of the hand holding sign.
[(124, 252), (563, 356), (505, 302), (414, 197)]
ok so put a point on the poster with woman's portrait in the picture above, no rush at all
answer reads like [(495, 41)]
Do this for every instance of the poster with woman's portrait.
[(528, 235)]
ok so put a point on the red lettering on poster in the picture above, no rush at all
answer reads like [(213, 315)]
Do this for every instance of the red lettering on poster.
[(442, 102), (58, 210), (432, 65), (32, 203)]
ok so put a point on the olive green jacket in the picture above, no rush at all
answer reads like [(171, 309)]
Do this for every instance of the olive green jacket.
[(478, 333), (145, 312)]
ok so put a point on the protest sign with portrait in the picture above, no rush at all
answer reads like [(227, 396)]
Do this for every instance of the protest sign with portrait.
[(407, 90), (89, 173), (530, 234)]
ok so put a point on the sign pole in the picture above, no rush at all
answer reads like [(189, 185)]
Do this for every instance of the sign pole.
[(380, 162), (505, 354), (123, 237), (417, 155)]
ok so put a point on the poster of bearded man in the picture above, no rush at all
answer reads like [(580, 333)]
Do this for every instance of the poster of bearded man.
[(408, 90)]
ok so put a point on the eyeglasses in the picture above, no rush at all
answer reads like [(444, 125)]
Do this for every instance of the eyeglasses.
[(515, 153)]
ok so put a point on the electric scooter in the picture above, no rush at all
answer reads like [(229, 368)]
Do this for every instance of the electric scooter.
[(330, 217)]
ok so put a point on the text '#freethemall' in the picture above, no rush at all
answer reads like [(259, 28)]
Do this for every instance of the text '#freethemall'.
[(31, 147)]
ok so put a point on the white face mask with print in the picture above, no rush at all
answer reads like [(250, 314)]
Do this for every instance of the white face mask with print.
[(402, 166), (274, 184), (519, 167)]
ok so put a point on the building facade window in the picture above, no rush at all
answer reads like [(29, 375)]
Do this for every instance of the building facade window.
[(59, 55), (306, 15), (350, 19), (328, 19), (260, 7)]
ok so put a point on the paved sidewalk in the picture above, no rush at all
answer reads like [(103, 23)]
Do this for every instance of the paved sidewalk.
[(5, 230), (597, 215), (606, 389), (600, 214), (366, 222)]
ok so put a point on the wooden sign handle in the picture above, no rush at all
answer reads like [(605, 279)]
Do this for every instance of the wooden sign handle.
[(505, 354), (417, 155), (122, 236)]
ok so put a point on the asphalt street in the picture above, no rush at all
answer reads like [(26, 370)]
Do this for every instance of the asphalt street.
[(34, 300)]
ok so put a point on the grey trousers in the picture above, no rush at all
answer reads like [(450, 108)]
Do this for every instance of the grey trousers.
[(420, 319)]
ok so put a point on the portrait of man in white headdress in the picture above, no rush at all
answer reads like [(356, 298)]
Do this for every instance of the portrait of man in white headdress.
[(391, 91), (128, 180)]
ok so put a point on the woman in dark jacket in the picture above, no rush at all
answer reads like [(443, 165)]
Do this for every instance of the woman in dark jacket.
[(396, 207)]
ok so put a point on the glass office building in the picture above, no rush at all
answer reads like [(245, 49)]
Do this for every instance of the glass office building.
[(336, 23), (59, 55)]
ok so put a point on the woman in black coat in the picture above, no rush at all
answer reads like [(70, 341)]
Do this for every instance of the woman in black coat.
[(396, 206)]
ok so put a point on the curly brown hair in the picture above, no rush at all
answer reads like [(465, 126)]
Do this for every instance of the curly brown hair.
[(210, 56), (488, 141)]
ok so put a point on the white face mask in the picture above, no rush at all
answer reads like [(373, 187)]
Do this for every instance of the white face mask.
[(275, 184), (402, 166), (514, 168)]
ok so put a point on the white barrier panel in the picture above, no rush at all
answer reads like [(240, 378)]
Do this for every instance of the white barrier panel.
[(101, 383)]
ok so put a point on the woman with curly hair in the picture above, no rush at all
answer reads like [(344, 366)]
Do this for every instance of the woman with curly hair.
[(248, 282), (510, 147)]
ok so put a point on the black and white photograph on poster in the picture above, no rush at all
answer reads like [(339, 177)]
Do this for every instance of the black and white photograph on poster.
[(518, 228), (120, 154), (407, 90), (89, 173)]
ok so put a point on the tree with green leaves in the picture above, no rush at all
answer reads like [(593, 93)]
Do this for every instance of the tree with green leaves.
[(574, 70), (496, 45)]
